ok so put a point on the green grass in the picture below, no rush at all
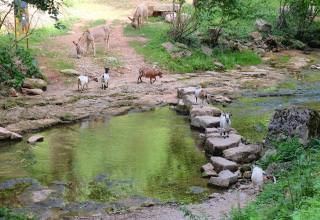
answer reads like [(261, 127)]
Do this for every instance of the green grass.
[(10, 215), (297, 192), (156, 33), (94, 23)]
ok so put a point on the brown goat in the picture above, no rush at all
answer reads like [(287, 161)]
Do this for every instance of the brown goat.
[(150, 73)]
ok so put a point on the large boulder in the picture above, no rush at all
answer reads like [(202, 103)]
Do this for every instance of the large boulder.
[(216, 144), (203, 122), (263, 25), (8, 135), (243, 153), (221, 163), (182, 108), (224, 180), (30, 83), (301, 123), (204, 111)]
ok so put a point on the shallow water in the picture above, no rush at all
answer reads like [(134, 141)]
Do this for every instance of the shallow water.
[(251, 115), (151, 154)]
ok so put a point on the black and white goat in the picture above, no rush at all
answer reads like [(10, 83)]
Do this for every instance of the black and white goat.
[(105, 78), (225, 124)]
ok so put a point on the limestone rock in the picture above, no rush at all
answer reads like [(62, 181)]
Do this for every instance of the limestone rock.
[(13, 93), (224, 180), (204, 111), (182, 108), (203, 122), (301, 123), (209, 173), (216, 145), (207, 166), (30, 83), (185, 91), (8, 135), (36, 138), (32, 91), (221, 163), (243, 153)]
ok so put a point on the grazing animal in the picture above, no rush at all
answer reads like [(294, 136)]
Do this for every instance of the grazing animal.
[(258, 178), (88, 39), (139, 16), (106, 37), (149, 73), (105, 79), (80, 51), (200, 93), (83, 82), (225, 124)]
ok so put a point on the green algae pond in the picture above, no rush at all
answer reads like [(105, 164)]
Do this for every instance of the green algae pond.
[(152, 154)]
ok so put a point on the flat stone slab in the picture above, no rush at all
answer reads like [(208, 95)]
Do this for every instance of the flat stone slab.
[(189, 100), (8, 135), (224, 180), (197, 110), (221, 163), (182, 108), (203, 122), (32, 91), (243, 153), (209, 173), (207, 166), (185, 91), (217, 144), (36, 138)]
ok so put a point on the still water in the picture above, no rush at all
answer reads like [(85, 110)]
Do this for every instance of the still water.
[(151, 154)]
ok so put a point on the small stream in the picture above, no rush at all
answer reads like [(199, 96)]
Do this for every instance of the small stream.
[(252, 112), (151, 154)]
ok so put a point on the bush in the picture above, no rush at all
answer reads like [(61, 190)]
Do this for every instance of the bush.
[(16, 64), (8, 214)]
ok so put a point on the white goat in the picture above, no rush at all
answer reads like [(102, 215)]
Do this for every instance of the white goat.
[(105, 79), (83, 82), (258, 178), (225, 124), (140, 14)]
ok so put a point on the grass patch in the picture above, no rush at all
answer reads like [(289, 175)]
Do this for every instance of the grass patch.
[(284, 59), (93, 23), (156, 32), (61, 64), (10, 215), (297, 192)]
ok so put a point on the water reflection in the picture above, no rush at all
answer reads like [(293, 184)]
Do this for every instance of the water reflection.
[(154, 151)]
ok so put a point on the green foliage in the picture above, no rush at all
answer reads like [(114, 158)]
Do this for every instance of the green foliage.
[(10, 215), (156, 33), (16, 63), (297, 192)]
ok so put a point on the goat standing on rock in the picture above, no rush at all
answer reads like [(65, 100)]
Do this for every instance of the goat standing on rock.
[(149, 73), (105, 79), (225, 124)]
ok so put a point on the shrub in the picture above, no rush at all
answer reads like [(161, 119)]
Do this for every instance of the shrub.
[(16, 64)]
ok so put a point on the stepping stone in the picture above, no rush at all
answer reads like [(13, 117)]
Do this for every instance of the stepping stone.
[(32, 91), (203, 122), (36, 138), (224, 180), (207, 166), (209, 173), (185, 91), (182, 108), (220, 163), (217, 144), (204, 111), (243, 153), (189, 100)]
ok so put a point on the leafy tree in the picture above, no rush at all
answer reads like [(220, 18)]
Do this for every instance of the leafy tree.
[(297, 17), (217, 14)]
